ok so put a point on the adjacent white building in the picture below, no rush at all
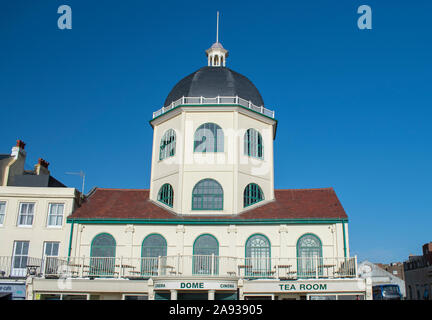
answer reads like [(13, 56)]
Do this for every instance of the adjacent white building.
[(33, 211)]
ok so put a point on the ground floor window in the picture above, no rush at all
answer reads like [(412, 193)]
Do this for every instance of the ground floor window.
[(258, 298), (337, 297), (49, 297), (192, 295), (350, 297), (162, 295), (326, 297), (59, 296), (226, 296), (135, 297)]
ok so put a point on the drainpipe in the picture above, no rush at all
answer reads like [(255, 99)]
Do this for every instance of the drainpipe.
[(344, 238), (70, 240)]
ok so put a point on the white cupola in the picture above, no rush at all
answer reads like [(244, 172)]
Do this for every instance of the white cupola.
[(217, 54)]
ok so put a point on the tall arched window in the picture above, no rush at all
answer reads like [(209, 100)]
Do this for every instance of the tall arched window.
[(166, 195), (102, 255), (154, 250), (206, 255), (209, 137), (258, 261), (167, 144), (252, 194), (207, 195), (309, 256), (253, 144)]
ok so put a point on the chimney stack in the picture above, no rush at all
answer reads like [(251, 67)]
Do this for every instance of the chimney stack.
[(41, 168), (18, 150)]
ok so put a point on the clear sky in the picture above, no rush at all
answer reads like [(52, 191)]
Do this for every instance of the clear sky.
[(354, 106)]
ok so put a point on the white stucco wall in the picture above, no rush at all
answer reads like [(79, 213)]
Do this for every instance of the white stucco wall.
[(231, 168), (231, 238), (38, 232)]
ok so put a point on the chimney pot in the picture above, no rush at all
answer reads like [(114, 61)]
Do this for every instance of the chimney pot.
[(20, 144), (43, 163)]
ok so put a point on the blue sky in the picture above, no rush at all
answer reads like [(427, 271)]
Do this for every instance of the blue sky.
[(354, 106)]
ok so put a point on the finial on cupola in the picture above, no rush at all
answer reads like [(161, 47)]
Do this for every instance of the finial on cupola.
[(216, 54)]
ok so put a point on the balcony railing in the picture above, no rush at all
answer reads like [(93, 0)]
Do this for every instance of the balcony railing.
[(179, 265), (217, 100)]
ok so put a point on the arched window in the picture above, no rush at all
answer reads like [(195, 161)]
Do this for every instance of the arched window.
[(309, 256), (154, 250), (209, 137), (252, 194), (166, 195), (102, 255), (258, 261), (167, 144), (253, 144), (207, 195), (206, 255)]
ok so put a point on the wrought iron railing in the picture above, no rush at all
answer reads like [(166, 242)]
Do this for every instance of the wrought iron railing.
[(216, 100), (180, 265)]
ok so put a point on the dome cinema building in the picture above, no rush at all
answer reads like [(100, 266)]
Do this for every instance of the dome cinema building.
[(211, 226)]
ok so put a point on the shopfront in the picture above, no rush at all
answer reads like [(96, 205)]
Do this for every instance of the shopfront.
[(201, 289), (316, 289)]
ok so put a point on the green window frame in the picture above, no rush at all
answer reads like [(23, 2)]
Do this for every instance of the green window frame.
[(309, 253), (167, 144), (258, 256), (153, 247), (207, 195), (102, 255), (252, 194), (209, 137), (206, 255), (166, 195), (253, 144)]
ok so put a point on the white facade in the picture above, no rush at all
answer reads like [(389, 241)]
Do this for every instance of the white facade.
[(43, 227), (231, 168)]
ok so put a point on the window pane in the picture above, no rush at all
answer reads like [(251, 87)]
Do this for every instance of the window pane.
[(103, 246), (209, 137), (51, 249), (24, 208), (309, 253), (166, 194), (167, 145), (48, 248), (207, 195), (252, 194), (55, 216), (154, 246), (253, 145)]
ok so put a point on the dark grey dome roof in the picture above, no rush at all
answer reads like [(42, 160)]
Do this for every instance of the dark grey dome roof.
[(210, 82)]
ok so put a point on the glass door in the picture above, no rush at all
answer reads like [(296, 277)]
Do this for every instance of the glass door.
[(50, 257), (19, 259)]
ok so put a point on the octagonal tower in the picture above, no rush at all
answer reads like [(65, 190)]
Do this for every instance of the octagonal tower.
[(213, 143)]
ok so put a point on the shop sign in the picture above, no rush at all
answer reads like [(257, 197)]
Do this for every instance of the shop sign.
[(311, 286), (17, 290), (304, 287), (195, 285)]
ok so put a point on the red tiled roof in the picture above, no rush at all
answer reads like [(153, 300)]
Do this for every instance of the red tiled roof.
[(115, 204)]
